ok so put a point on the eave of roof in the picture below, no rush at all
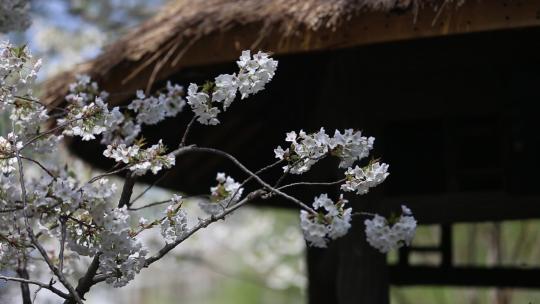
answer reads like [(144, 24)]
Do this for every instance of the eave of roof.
[(183, 36)]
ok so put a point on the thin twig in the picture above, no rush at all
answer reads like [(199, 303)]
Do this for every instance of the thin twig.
[(98, 177), (164, 202), (40, 103), (186, 132), (250, 178), (149, 187), (63, 229), (36, 293), (52, 130), (41, 166), (363, 214), (249, 172), (150, 205), (81, 222), (312, 184), (281, 178), (40, 284), (6, 210)]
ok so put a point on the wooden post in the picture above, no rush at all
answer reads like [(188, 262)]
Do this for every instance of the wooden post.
[(348, 271), (363, 273)]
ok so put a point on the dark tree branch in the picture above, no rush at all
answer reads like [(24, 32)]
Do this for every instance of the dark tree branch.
[(87, 281), (127, 190), (25, 289), (40, 284)]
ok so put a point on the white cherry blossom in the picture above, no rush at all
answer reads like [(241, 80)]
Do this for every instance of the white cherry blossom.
[(226, 193), (362, 179), (174, 225), (332, 221), (385, 235)]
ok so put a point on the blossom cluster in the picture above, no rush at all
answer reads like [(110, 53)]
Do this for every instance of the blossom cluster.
[(86, 120), (226, 193), (307, 149), (331, 221), (385, 235), (349, 146), (89, 114), (83, 91), (174, 225), (92, 226), (255, 72), (98, 229), (18, 72), (7, 159), (141, 160), (153, 109), (362, 179), (121, 254)]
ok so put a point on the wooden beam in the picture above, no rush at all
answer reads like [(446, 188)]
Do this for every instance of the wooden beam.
[(465, 276), (468, 207)]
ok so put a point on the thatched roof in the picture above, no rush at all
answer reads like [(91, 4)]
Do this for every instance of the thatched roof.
[(181, 34), (194, 33)]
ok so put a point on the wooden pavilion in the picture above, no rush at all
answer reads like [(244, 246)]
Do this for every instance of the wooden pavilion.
[(447, 87)]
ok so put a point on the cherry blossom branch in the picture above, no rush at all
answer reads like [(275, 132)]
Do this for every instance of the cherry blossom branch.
[(90, 278), (40, 284), (120, 251)]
